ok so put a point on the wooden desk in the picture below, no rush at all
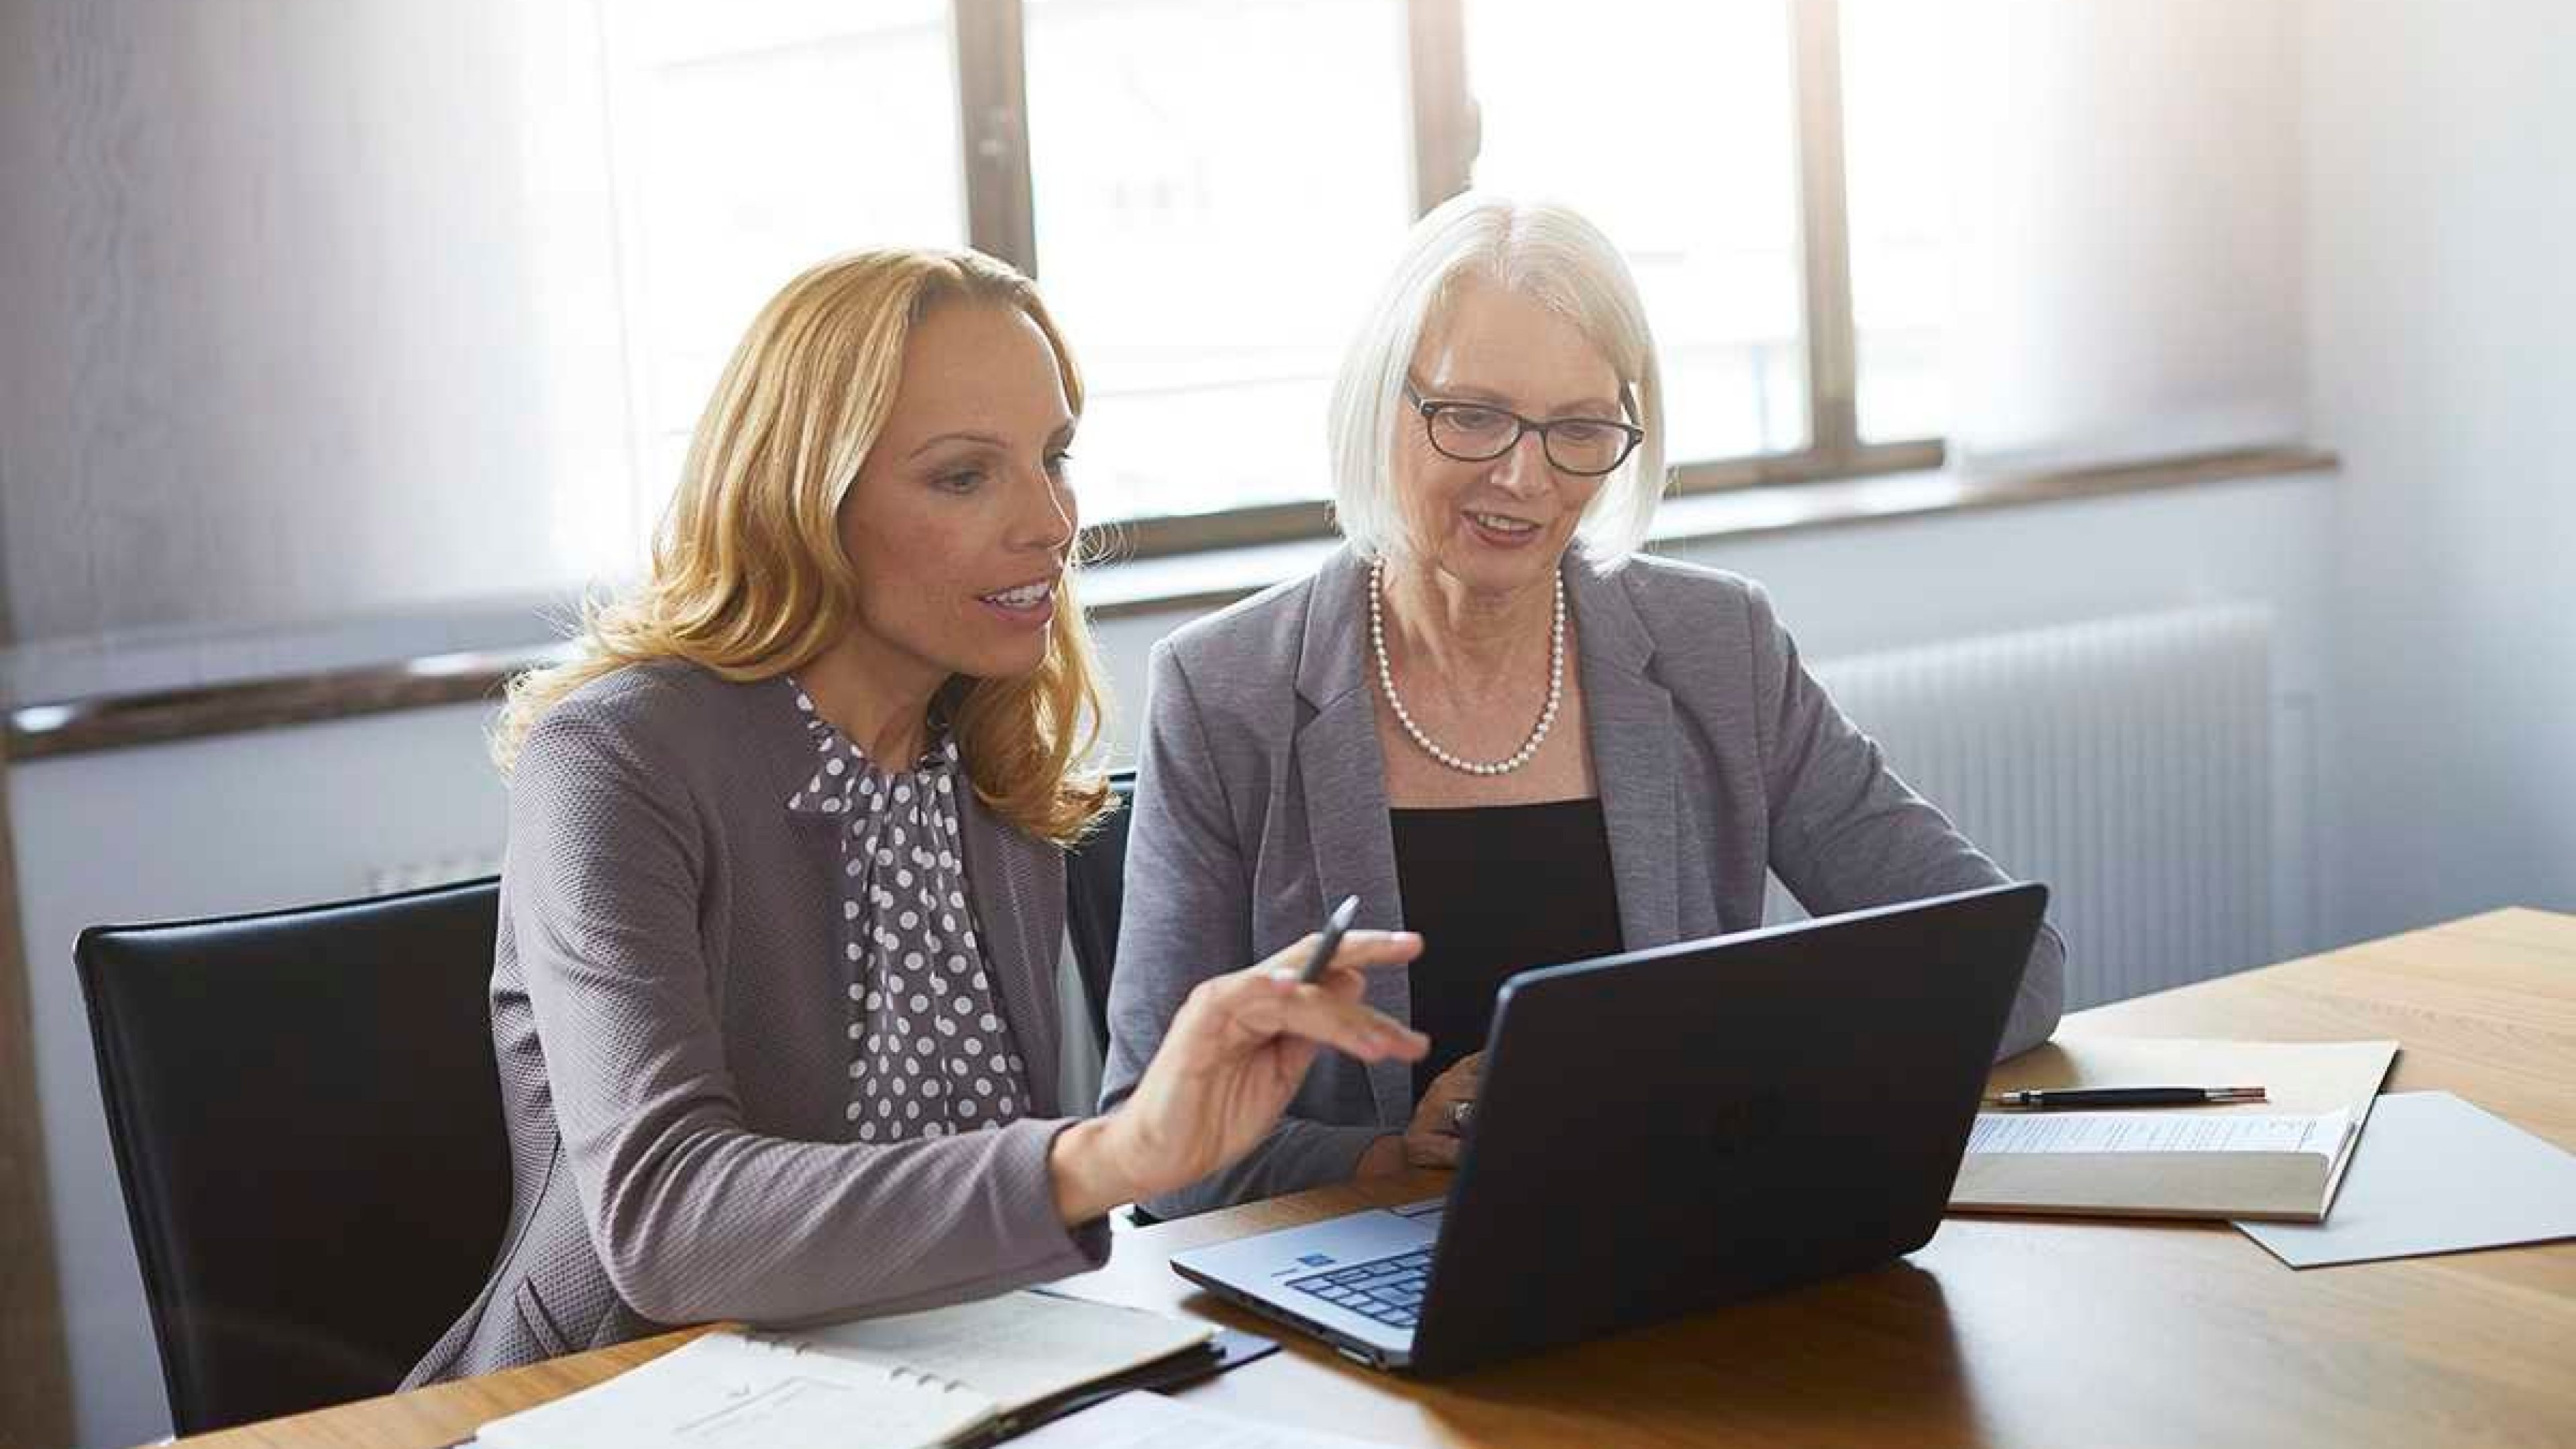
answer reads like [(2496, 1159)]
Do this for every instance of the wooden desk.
[(2001, 1331)]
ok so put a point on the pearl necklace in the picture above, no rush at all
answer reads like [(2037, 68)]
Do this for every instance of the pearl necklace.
[(1386, 682)]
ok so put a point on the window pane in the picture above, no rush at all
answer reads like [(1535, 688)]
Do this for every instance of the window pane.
[(1671, 126), (756, 138), (1213, 216), (1897, 156)]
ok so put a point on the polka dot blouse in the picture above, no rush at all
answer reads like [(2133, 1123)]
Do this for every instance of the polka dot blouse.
[(930, 1053)]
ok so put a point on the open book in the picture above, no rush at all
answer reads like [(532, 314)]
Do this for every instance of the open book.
[(938, 1380), (2277, 1160)]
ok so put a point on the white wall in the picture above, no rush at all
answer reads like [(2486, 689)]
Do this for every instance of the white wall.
[(2128, 250), (2441, 201), (309, 813), (270, 273)]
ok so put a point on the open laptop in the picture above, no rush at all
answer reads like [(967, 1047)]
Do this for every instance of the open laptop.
[(1666, 1130)]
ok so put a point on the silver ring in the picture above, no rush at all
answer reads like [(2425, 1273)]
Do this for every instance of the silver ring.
[(1459, 1112)]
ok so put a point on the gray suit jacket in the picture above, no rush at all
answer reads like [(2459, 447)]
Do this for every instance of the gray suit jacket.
[(1262, 795), (669, 1005)]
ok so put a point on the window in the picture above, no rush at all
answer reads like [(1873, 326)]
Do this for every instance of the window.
[(754, 139), (1564, 102), (1897, 130), (1182, 164), (1210, 191)]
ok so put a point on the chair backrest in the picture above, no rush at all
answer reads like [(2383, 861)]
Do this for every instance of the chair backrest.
[(1095, 877), (308, 1125)]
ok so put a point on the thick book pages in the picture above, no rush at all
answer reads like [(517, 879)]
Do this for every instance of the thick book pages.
[(947, 1377), (2278, 1160)]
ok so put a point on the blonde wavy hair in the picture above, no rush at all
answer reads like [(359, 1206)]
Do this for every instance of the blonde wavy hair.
[(749, 579)]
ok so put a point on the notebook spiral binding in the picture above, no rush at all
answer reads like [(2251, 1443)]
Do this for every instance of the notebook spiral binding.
[(786, 1343), (899, 1373)]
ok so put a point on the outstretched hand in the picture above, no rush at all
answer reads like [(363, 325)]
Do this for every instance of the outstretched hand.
[(1235, 1054)]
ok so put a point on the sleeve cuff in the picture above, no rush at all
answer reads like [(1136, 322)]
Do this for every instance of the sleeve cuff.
[(1069, 1249), (1297, 1155), (1342, 1148)]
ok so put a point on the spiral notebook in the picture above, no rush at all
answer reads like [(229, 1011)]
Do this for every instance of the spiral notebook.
[(945, 1379)]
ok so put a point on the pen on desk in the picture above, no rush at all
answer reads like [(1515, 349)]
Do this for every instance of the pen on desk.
[(2060, 1098), (1335, 925)]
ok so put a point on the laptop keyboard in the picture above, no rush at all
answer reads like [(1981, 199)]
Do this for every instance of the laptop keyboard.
[(1388, 1289)]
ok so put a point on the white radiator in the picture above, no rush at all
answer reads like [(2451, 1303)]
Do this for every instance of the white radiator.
[(2127, 763)]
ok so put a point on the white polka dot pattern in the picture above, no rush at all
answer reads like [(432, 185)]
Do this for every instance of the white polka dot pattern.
[(930, 1053), (680, 925)]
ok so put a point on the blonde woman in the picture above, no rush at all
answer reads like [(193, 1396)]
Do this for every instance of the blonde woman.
[(774, 992), (1488, 717)]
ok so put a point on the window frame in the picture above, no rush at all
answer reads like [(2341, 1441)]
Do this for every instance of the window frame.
[(1001, 221)]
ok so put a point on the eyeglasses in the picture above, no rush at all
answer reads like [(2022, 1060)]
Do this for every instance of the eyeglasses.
[(1474, 432)]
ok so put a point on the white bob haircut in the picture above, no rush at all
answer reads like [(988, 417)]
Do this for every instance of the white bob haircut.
[(1549, 254)]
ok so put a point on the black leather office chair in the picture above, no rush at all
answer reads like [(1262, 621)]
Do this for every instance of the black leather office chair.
[(1095, 875), (308, 1125)]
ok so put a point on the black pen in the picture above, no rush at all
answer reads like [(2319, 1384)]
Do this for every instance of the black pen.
[(1334, 926), (2060, 1098)]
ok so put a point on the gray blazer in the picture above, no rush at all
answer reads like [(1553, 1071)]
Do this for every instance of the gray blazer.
[(669, 1005), (1262, 795)]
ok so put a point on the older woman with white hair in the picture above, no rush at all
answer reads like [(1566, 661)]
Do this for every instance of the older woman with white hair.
[(1488, 716)]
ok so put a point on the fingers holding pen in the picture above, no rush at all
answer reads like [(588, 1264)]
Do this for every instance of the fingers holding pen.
[(1357, 954), (1272, 999)]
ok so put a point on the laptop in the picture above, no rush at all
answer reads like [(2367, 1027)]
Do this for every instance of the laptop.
[(1663, 1131)]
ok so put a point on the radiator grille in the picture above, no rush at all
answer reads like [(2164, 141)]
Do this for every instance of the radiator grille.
[(2125, 762)]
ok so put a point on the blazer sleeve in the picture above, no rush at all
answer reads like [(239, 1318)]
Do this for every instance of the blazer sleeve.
[(1846, 833), (694, 1215), (1187, 917)]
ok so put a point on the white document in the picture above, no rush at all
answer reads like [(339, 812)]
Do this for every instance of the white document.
[(2168, 1131), (1150, 1421), (2435, 1175)]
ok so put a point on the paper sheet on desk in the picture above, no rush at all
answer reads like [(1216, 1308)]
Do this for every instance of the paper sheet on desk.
[(2434, 1174), (2158, 1132), (1150, 1421)]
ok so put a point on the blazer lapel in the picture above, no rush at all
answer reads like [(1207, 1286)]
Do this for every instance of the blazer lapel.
[(1343, 777), (1019, 902), (1631, 718)]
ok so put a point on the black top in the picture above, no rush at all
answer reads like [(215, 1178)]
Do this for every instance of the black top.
[(1494, 890)]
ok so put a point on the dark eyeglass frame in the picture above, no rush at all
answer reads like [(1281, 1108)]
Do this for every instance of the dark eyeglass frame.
[(1430, 409)]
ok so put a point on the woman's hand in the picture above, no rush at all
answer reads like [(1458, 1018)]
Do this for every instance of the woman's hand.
[(1439, 1125), (1234, 1056)]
